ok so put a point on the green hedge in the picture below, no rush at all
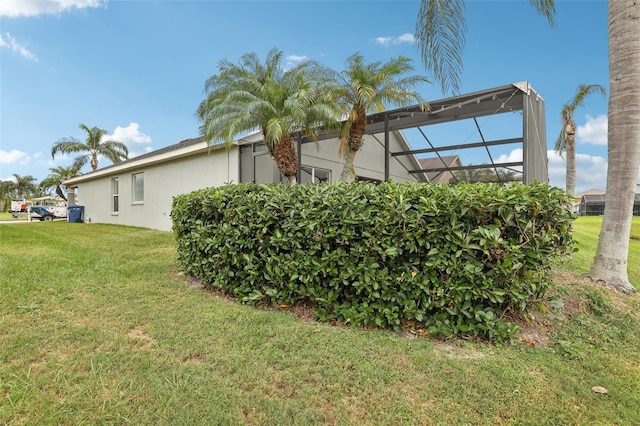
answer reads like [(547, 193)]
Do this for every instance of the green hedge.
[(456, 258)]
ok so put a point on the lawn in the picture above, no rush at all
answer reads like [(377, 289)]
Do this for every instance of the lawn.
[(98, 326), (8, 216)]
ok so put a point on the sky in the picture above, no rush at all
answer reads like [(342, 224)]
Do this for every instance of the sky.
[(137, 68)]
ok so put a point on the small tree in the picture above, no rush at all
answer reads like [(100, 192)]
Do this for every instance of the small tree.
[(6, 188), (280, 103), (57, 176), (370, 87), (567, 139), (94, 146), (24, 186)]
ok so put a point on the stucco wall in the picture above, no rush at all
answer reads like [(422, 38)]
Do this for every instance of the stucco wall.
[(162, 182), (369, 161), (193, 166)]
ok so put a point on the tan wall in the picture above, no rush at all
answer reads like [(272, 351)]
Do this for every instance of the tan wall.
[(369, 160)]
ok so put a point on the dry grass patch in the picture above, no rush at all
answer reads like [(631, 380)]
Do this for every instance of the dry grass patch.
[(141, 339)]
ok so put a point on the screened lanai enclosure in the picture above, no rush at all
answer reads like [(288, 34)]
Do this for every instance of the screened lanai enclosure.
[(498, 133), (593, 205)]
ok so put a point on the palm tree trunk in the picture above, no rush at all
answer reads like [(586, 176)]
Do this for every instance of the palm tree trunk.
[(610, 263), (94, 161), (348, 172), (284, 154), (60, 193), (570, 147)]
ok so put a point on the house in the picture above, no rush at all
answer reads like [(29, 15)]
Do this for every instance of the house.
[(438, 168), (593, 205), (140, 191), (577, 199)]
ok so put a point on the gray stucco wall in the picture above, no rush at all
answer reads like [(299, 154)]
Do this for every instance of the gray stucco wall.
[(162, 182), (369, 161)]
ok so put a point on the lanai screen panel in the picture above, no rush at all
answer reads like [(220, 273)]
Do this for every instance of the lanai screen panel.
[(518, 98)]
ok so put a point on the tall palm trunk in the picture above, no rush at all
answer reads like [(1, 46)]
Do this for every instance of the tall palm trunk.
[(347, 169), (94, 161), (610, 263), (570, 147), (354, 143), (60, 193), (284, 154)]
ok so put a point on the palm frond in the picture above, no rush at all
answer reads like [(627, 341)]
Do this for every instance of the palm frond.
[(440, 34), (566, 113), (546, 8)]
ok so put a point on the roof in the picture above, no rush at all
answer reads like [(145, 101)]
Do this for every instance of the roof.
[(436, 167), (591, 192), (183, 148)]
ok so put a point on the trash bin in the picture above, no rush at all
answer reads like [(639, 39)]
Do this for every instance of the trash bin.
[(75, 214)]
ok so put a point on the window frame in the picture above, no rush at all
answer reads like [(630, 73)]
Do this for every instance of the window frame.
[(312, 172), (134, 192), (115, 195)]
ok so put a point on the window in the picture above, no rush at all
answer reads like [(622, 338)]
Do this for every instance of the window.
[(115, 197), (314, 175), (137, 181)]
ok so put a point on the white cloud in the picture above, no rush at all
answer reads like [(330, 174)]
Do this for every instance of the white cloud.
[(14, 157), (296, 58), (17, 8), (513, 156), (386, 41), (8, 41), (594, 131), (130, 135), (591, 171), (135, 153), (293, 61)]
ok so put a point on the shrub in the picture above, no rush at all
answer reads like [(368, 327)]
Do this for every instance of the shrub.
[(453, 257)]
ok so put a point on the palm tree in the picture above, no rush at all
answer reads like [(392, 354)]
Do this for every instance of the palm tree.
[(439, 26), (24, 185), (94, 146), (364, 88), (566, 140), (6, 188), (440, 35), (610, 263), (508, 175), (56, 177), (281, 103), (473, 175)]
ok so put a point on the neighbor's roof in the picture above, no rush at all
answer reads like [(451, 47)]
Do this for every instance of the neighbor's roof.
[(444, 161), (591, 192)]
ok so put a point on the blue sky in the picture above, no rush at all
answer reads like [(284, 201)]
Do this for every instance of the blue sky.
[(137, 68)]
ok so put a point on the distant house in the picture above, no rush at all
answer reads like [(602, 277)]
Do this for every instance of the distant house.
[(577, 199), (140, 191), (593, 205), (437, 169)]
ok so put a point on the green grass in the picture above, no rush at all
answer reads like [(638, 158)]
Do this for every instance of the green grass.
[(587, 230), (8, 216), (98, 326)]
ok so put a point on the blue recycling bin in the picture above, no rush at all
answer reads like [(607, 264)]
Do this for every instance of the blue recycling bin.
[(75, 213)]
